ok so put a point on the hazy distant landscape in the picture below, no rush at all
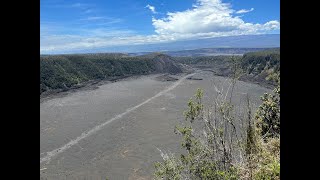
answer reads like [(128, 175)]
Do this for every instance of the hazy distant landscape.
[(206, 52), (217, 44)]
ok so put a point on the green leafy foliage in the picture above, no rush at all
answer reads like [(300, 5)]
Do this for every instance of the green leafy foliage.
[(212, 156), (65, 71), (262, 64), (201, 161), (268, 114), (195, 107)]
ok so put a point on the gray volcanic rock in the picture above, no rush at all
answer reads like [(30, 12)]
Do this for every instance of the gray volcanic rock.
[(164, 63)]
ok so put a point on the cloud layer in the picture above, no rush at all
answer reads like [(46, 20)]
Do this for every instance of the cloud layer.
[(207, 18)]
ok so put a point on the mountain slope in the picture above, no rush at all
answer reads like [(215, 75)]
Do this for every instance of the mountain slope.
[(62, 72)]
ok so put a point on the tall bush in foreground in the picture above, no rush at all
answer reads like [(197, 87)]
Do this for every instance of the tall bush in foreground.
[(268, 114), (219, 149)]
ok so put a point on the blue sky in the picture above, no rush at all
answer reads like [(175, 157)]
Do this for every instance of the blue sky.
[(82, 25)]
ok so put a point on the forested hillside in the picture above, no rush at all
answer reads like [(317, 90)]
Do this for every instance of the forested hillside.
[(65, 71), (262, 63)]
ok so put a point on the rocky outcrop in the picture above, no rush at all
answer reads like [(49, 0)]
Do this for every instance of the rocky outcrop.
[(165, 64)]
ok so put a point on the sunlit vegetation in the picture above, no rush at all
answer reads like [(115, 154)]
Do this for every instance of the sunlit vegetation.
[(65, 71), (220, 149)]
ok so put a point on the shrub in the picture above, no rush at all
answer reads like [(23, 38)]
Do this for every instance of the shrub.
[(213, 154)]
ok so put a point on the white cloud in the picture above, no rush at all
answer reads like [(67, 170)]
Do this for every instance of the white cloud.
[(98, 21), (242, 11), (51, 40), (152, 8), (211, 17), (93, 18), (97, 39), (79, 5), (85, 8), (206, 19)]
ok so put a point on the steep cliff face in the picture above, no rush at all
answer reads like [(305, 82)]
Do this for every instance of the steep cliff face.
[(69, 71), (165, 64)]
